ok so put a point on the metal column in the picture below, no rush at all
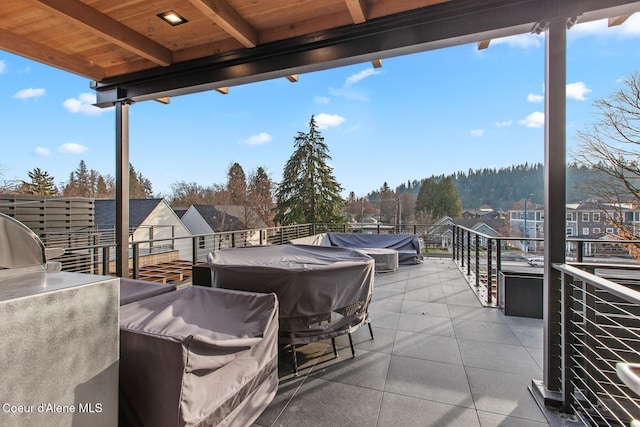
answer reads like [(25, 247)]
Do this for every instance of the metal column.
[(555, 198), (122, 188)]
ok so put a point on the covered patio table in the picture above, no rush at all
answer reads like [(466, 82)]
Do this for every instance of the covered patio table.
[(323, 292)]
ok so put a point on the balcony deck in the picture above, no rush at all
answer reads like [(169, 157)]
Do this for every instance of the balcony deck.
[(438, 358)]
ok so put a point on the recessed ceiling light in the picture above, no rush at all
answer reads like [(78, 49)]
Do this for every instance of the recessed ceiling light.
[(172, 18)]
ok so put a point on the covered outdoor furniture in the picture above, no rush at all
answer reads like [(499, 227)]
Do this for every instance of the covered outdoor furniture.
[(132, 290), (198, 356), (407, 245), (323, 292)]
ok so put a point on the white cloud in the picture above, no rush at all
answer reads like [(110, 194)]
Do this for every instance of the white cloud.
[(3, 66), (533, 120), (532, 97), (504, 124), (321, 100), (577, 90), (477, 132), (72, 148), (325, 121), (41, 151), (629, 29), (83, 105), (29, 93), (349, 93), (258, 139), (523, 41), (355, 78)]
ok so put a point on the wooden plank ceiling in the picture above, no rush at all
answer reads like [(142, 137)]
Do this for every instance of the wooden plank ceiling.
[(132, 55), (102, 39)]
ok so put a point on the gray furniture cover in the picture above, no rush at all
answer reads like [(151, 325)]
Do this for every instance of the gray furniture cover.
[(198, 357), (132, 290), (407, 245), (323, 291)]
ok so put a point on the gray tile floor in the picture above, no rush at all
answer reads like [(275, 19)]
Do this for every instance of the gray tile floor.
[(438, 359)]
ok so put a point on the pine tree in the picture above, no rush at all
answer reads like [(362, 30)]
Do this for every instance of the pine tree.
[(237, 185), (41, 183), (259, 195), (309, 193)]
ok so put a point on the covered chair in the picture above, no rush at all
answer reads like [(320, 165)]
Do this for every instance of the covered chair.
[(323, 292)]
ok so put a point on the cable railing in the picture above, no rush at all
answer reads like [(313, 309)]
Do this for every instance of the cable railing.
[(482, 257), (600, 329)]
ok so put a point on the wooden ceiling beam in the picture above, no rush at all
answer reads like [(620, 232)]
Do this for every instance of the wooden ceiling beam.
[(109, 29), (357, 10), (618, 20), (227, 18), (41, 53), (483, 44)]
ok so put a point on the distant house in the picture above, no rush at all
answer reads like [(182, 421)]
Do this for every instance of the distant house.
[(206, 220), (149, 219), (443, 232)]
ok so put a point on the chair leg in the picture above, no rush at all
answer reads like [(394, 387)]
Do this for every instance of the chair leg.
[(370, 329), (335, 349), (353, 350), (295, 360)]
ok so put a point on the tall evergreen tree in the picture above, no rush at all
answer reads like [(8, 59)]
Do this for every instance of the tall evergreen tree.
[(309, 193), (139, 186), (424, 201), (41, 183), (237, 185), (446, 201), (260, 196)]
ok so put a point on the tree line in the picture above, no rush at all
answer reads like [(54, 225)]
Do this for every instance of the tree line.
[(605, 167)]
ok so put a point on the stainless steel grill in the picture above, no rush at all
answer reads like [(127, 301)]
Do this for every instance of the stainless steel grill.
[(59, 336)]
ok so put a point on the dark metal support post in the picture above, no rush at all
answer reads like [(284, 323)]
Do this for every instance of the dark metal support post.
[(122, 188), (489, 272), (555, 198)]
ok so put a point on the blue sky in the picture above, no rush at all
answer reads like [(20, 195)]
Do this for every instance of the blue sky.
[(436, 112)]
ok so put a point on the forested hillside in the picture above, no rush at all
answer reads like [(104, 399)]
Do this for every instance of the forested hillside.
[(501, 188)]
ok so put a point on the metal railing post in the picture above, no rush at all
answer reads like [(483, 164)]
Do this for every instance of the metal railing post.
[(105, 260), (579, 251), (477, 257), (194, 250), (489, 272), (568, 345), (136, 261), (468, 253)]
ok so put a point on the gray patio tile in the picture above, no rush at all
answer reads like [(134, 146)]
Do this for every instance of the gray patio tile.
[(425, 308), (380, 293), (426, 324), (320, 403), (463, 298), (405, 411), (390, 305), (436, 381), (384, 319), (487, 419), (382, 341), (503, 393), (429, 347), (484, 331), (429, 294), (529, 331), (477, 313), (367, 369), (498, 357)]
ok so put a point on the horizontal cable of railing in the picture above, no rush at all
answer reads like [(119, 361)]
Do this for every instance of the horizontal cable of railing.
[(600, 329)]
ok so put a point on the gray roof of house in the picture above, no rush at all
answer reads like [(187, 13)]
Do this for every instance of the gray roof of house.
[(218, 220), (139, 210)]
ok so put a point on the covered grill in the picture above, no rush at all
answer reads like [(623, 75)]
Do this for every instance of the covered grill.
[(59, 357)]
